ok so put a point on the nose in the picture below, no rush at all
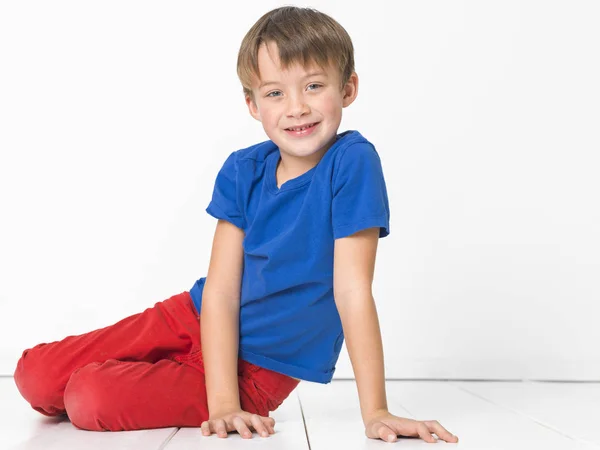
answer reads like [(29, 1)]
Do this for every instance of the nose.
[(297, 106)]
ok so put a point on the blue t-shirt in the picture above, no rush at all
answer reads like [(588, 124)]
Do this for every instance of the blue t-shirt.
[(289, 322)]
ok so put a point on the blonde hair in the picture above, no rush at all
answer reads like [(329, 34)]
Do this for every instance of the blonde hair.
[(302, 35)]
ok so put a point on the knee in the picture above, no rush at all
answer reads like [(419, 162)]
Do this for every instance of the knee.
[(86, 399), (33, 378)]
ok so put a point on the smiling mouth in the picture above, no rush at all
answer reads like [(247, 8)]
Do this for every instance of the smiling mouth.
[(302, 128)]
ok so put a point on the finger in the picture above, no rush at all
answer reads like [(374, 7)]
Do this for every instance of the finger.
[(424, 432), (386, 434), (242, 427), (269, 423), (205, 428), (258, 425), (441, 432), (220, 428)]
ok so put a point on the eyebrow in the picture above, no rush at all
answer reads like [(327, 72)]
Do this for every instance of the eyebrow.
[(308, 75)]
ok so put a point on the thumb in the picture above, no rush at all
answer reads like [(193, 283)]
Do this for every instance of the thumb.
[(380, 430), (267, 419), (387, 434), (264, 419)]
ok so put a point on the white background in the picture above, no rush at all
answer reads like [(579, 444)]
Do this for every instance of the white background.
[(116, 116)]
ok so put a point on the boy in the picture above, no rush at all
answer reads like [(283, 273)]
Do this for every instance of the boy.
[(292, 261), (296, 66)]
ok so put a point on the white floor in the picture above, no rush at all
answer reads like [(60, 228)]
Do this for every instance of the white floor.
[(484, 415)]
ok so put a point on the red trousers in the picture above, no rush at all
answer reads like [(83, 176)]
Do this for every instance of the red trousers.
[(145, 371)]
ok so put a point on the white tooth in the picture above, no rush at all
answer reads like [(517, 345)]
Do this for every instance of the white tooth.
[(300, 129)]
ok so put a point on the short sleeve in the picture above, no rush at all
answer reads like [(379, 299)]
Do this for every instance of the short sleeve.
[(223, 204), (359, 193)]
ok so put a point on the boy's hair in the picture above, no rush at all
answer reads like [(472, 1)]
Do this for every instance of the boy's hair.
[(302, 35)]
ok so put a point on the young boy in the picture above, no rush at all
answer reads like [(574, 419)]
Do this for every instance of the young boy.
[(289, 277)]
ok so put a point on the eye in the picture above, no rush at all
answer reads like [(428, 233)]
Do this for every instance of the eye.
[(275, 92)]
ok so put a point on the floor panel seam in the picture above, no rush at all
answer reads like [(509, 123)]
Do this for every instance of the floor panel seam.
[(516, 411), (168, 439), (304, 421)]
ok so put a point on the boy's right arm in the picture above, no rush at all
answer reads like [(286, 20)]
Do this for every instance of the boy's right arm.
[(219, 318)]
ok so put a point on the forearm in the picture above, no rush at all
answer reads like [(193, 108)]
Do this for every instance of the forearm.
[(219, 328), (365, 348)]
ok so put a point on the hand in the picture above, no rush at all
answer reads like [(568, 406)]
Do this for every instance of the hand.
[(239, 420), (382, 424)]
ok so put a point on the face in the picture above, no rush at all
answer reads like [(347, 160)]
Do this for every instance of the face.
[(296, 97)]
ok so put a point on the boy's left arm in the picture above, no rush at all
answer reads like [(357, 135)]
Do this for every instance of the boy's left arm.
[(354, 265)]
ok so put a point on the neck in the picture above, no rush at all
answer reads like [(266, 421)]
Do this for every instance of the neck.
[(294, 166)]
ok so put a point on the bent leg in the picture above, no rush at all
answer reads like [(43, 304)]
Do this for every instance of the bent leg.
[(125, 396), (166, 330)]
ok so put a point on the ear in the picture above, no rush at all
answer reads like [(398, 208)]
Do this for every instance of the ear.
[(252, 108), (350, 90)]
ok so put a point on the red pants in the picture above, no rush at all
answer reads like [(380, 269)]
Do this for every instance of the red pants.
[(145, 371)]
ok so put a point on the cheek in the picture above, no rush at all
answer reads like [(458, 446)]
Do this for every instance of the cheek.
[(328, 105), (270, 115), (271, 119)]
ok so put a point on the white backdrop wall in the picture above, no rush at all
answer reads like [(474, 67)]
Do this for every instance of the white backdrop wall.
[(115, 118)]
